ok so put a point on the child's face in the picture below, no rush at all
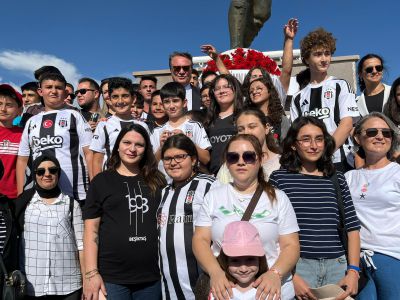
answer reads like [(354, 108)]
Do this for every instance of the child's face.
[(157, 107), (136, 109), (30, 97), (121, 101), (53, 93), (174, 106), (319, 60), (9, 109), (243, 268)]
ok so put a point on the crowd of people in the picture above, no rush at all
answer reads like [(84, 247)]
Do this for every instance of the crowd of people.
[(205, 188)]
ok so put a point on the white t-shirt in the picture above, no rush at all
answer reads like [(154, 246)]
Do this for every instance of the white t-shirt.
[(279, 88), (238, 295), (192, 129), (376, 198), (224, 205)]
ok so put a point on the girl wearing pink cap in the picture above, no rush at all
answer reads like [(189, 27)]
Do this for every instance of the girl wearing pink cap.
[(242, 258)]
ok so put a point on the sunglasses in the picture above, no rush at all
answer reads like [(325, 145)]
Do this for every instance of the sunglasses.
[(372, 132), (72, 96), (42, 171), (177, 69), (249, 157), (378, 68), (82, 91)]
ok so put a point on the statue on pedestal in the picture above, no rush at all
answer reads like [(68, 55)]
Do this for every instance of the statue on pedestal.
[(246, 18)]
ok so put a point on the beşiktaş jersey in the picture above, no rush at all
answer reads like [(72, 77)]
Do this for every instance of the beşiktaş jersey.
[(62, 134), (192, 129), (178, 265), (106, 134), (330, 101)]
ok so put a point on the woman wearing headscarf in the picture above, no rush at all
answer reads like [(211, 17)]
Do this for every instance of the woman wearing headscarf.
[(52, 235)]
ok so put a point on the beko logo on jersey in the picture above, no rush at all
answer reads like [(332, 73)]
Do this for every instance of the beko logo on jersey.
[(320, 113), (48, 141)]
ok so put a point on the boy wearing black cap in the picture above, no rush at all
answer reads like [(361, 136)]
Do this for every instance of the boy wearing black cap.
[(10, 137)]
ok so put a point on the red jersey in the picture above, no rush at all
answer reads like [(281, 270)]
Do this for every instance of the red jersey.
[(9, 144)]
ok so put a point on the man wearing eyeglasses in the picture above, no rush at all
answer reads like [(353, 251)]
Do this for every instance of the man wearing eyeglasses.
[(181, 66), (88, 95)]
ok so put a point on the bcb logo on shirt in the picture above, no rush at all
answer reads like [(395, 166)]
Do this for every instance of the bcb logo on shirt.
[(320, 113), (48, 141)]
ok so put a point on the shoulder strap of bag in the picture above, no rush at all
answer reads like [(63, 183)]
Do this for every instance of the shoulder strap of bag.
[(253, 203), (3, 267), (71, 211), (340, 204)]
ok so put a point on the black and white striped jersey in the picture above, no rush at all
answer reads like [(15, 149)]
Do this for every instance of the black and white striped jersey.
[(62, 134), (330, 101), (106, 134), (178, 265)]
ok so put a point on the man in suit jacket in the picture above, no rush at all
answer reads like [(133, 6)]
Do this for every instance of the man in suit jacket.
[(181, 66)]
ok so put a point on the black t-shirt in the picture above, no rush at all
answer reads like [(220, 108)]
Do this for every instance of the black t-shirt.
[(219, 134), (128, 249), (375, 102)]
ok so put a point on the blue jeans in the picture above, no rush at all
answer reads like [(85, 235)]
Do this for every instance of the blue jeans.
[(383, 283), (148, 291), (319, 272)]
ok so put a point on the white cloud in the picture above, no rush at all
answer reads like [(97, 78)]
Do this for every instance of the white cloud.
[(28, 62)]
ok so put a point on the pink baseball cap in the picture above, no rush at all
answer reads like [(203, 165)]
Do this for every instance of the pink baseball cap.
[(242, 239), (10, 89)]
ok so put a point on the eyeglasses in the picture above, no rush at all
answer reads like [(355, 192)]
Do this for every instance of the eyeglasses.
[(378, 69), (42, 171), (306, 142), (255, 90), (177, 69), (82, 91), (177, 158), (222, 87), (249, 157), (372, 132), (72, 96)]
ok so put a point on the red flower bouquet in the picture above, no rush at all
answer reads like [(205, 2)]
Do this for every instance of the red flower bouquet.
[(245, 59)]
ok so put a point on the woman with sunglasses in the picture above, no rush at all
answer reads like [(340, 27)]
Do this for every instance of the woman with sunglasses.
[(253, 121), (180, 203), (308, 179), (121, 257), (273, 216), (263, 95), (52, 233), (374, 93), (226, 103), (376, 195)]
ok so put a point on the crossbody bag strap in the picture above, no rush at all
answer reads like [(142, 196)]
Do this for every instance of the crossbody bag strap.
[(253, 203), (3, 267), (340, 204)]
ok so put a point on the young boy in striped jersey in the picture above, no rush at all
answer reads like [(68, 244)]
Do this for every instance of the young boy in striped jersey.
[(173, 97), (326, 97), (60, 132), (10, 137), (121, 97)]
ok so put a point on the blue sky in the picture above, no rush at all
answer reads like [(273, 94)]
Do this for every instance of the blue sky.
[(106, 38)]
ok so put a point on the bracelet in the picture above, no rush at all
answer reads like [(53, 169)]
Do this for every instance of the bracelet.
[(92, 271), (276, 271), (354, 271), (353, 267), (92, 274)]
